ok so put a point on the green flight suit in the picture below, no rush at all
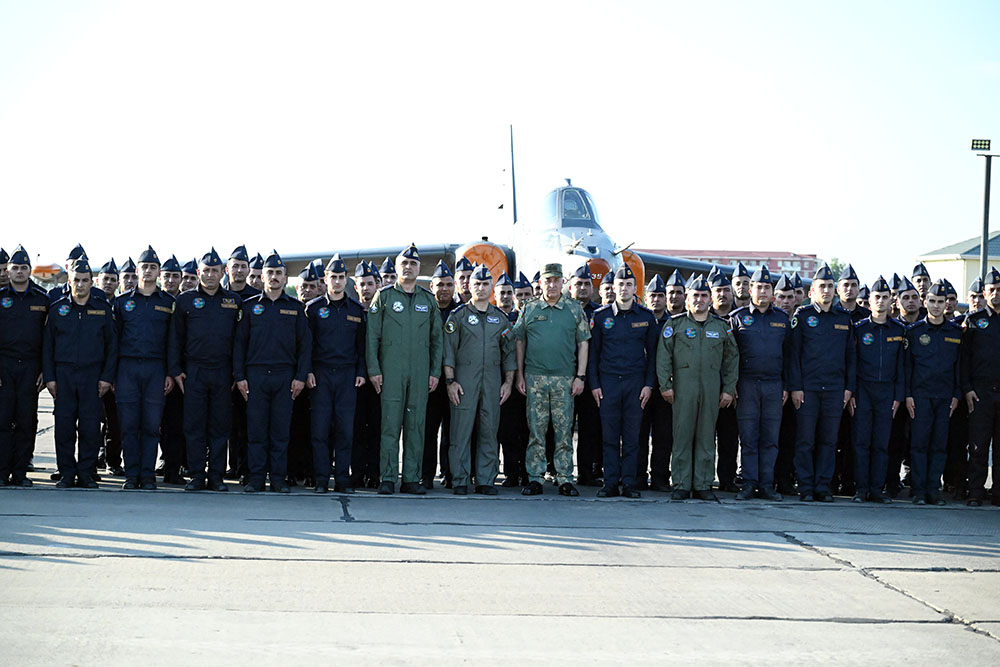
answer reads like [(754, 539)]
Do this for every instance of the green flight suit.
[(475, 345), (403, 344), (699, 361)]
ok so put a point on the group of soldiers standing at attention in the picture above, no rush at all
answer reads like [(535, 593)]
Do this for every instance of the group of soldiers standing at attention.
[(858, 391)]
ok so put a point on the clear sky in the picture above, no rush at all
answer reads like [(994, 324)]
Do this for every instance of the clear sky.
[(836, 128)]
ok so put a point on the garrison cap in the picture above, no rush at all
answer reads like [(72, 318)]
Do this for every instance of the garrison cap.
[(375, 271), (905, 285), (698, 284), (482, 273), (538, 276), (624, 273), (880, 285), (191, 266), (20, 256), (583, 271), (864, 292), (463, 264), (712, 273), (171, 265), (110, 268), (257, 262), (522, 281), (76, 253), (442, 270), (80, 265), (656, 285), (552, 270), (939, 288), (675, 279), (273, 261), (240, 254), (336, 264), (976, 286), (388, 267), (128, 266), (784, 283), (951, 288), (920, 270), (741, 271), (411, 252), (504, 279), (848, 274), (823, 273), (797, 281), (719, 280), (895, 283), (364, 269), (992, 277), (761, 275), (149, 256), (608, 278), (313, 271), (210, 258)]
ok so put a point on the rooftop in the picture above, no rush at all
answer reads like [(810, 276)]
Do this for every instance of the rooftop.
[(968, 248)]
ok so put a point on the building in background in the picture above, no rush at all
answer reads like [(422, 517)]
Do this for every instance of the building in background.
[(959, 262), (777, 262)]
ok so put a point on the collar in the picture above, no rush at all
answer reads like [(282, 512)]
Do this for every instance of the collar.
[(615, 309), (558, 304), (755, 309)]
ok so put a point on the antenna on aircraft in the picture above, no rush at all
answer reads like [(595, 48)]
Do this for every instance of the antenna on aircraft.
[(569, 183), (513, 186)]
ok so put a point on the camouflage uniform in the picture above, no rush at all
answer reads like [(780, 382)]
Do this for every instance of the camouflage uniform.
[(551, 334)]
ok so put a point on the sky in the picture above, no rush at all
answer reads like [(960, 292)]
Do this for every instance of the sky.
[(841, 129)]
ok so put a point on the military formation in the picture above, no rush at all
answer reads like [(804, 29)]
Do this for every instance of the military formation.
[(209, 371)]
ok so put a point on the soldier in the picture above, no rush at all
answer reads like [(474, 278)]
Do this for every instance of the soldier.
[(142, 318), (761, 332), (863, 297), (438, 418), (910, 303), (956, 467), (127, 276), (621, 367), (512, 432), (822, 373), (848, 290), (587, 416), (503, 294), (300, 442), (60, 291), (368, 410), (110, 455), (536, 284), (975, 297), (271, 361), (107, 279), (848, 286), (741, 286), (921, 280), (189, 275), (800, 290), (200, 360), (552, 336), (911, 310), (697, 363), (23, 308), (607, 289), (172, 446), (656, 417), (463, 274), (255, 277), (980, 382), (79, 351), (932, 392), (238, 271), (951, 301), (477, 342), (4, 274), (403, 346), (784, 469), (676, 294), (337, 324), (727, 431), (388, 273), (311, 281), (522, 292), (878, 392)]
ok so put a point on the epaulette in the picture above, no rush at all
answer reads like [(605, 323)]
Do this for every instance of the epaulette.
[(678, 315), (458, 308), (738, 310), (642, 308), (425, 289)]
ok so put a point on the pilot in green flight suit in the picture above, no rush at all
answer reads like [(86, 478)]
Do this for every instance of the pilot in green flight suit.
[(403, 350), (477, 340)]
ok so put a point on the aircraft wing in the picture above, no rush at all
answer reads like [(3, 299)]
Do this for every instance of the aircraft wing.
[(665, 265), (429, 256)]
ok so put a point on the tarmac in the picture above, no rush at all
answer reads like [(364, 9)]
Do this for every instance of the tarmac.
[(169, 577)]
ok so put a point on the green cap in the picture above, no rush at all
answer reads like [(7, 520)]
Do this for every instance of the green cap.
[(552, 270)]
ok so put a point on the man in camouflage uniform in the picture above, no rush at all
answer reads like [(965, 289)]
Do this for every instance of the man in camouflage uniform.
[(552, 338)]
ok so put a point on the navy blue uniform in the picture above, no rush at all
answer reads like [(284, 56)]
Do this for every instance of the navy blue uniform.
[(79, 350), (956, 465), (202, 331), (822, 365), (238, 433), (657, 423), (338, 359), (513, 431), (272, 348), (22, 321), (589, 432), (879, 382), (980, 372), (621, 361), (60, 291), (763, 339), (143, 323), (843, 475), (932, 381), (438, 417)]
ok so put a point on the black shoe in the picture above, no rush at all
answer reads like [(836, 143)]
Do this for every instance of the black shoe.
[(935, 500), (130, 485), (857, 499), (880, 498), (196, 484), (680, 494), (460, 490), (806, 497), (768, 493), (426, 483), (509, 483), (173, 478), (218, 486), (24, 482), (567, 489), (322, 488), (532, 489), (117, 471), (971, 502), (824, 498), (746, 493), (31, 466), (919, 500), (607, 492), (729, 487), (252, 488), (65, 483), (705, 494), (386, 489), (588, 481), (487, 490), (412, 488), (343, 488), (148, 486), (280, 487), (232, 474), (86, 482), (660, 486), (630, 492), (786, 489)]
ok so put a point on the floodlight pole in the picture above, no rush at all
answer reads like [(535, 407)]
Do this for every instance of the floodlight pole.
[(984, 244)]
